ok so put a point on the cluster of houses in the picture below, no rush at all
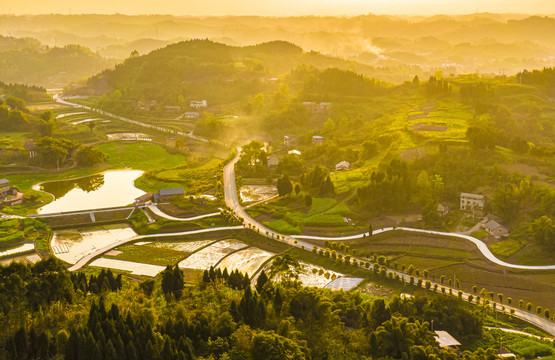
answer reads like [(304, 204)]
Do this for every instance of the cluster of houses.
[(195, 104), (317, 108), (475, 204), (9, 195)]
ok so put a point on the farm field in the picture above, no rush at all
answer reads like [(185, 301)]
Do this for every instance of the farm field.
[(84, 241), (247, 261), (458, 259), (134, 268), (209, 256)]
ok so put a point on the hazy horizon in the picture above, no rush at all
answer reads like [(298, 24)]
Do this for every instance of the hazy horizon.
[(277, 8)]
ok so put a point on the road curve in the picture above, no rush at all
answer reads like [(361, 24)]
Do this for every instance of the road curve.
[(480, 244), (85, 260), (162, 214)]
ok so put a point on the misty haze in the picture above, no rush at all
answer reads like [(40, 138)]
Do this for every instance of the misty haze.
[(231, 180)]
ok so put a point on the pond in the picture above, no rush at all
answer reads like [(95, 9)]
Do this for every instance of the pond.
[(109, 189)]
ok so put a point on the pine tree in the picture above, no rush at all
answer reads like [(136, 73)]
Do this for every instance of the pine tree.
[(262, 279)]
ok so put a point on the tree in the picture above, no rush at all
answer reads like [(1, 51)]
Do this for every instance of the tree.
[(308, 200), (261, 281), (284, 186), (543, 232), (546, 313), (529, 306), (297, 189), (88, 156), (500, 296), (370, 229)]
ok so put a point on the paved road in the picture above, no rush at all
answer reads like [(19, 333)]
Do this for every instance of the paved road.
[(99, 210), (85, 260), (517, 332), (160, 213), (480, 244), (231, 200), (190, 134)]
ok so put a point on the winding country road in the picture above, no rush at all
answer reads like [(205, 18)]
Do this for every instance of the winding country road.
[(162, 214), (232, 201)]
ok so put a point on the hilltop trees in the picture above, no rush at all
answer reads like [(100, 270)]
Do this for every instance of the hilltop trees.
[(543, 232), (284, 186), (318, 182), (253, 159)]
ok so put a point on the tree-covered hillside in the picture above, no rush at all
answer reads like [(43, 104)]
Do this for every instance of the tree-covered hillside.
[(29, 62)]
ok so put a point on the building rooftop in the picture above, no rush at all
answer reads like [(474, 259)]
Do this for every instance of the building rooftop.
[(492, 225), (445, 339), (472, 196), (294, 152), (317, 137), (166, 192)]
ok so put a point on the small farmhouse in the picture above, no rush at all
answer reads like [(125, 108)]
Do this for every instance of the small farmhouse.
[(192, 115), (343, 165), (317, 140), (173, 109), (289, 140), (317, 108), (198, 104), (168, 194), (294, 152), (443, 209), (9, 195), (143, 199), (496, 229), (474, 203), (273, 160)]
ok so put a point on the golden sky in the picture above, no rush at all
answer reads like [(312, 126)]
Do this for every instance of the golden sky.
[(278, 7)]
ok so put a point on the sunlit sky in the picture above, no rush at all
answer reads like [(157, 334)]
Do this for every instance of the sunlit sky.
[(277, 7)]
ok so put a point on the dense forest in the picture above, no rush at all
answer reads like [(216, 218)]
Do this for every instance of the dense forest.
[(105, 317)]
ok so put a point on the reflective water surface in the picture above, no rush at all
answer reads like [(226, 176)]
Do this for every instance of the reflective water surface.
[(109, 189)]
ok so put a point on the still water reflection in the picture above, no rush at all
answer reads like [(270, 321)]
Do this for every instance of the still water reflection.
[(112, 188)]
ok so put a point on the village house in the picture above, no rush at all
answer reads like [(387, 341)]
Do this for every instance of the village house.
[(494, 228), (442, 209), (343, 165), (146, 105), (168, 194), (9, 195), (289, 140), (273, 160), (317, 108), (173, 109), (474, 203), (317, 140), (4, 188), (30, 146), (198, 104), (192, 115), (143, 199), (294, 152)]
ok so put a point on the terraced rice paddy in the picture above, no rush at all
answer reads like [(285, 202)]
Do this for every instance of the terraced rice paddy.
[(85, 241), (190, 246), (209, 256), (134, 268), (343, 283), (246, 261)]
